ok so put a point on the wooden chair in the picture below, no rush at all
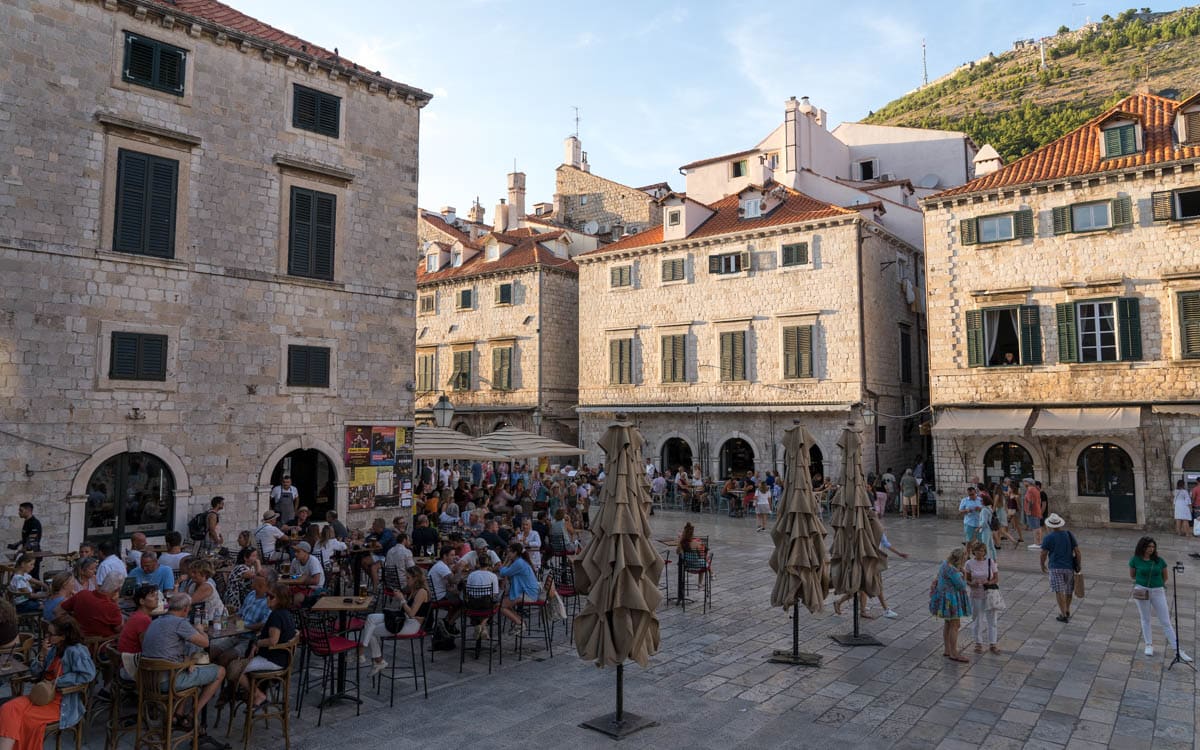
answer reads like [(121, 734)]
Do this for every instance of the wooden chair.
[(53, 730), (274, 684), (119, 690), (158, 699), (19, 651)]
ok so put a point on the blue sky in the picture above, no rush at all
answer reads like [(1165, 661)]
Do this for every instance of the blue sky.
[(657, 84)]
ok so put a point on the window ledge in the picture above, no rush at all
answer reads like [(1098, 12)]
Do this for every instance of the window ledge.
[(622, 289), (158, 386), (307, 391), (674, 282), (312, 167), (117, 122), (1184, 362), (735, 275), (143, 260), (1101, 365), (797, 267)]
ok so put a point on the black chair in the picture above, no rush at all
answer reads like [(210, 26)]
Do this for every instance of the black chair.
[(564, 587), (697, 562), (482, 605), (416, 650), (322, 642)]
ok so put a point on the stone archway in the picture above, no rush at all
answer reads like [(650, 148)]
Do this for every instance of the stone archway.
[(262, 490), (1137, 469)]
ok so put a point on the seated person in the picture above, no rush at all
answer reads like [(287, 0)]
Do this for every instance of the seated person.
[(271, 539), (145, 598), (62, 587), (23, 586), (172, 638), (482, 577), (200, 586), (541, 525), (382, 536), (96, 612), (307, 571), (300, 523), (399, 524), (137, 545), (450, 516), (329, 546), (522, 583), (415, 608), (68, 663), (111, 563), (425, 538), (340, 532), (443, 584), (482, 552), (151, 572), (400, 556), (255, 609), (266, 654), (174, 554), (532, 542), (85, 573)]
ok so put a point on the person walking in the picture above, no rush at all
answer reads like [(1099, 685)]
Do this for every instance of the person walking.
[(908, 495), (988, 520), (982, 574), (949, 602), (1061, 559), (1149, 574), (969, 508), (1033, 512), (1183, 509), (762, 506)]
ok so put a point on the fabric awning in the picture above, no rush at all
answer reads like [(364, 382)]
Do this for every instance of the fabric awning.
[(1088, 421), (1189, 409), (981, 420), (440, 442), (514, 443)]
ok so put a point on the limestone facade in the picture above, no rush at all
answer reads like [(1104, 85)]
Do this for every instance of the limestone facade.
[(584, 197), (223, 416), (1145, 382)]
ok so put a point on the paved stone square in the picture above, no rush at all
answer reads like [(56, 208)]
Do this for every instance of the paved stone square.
[(1081, 685)]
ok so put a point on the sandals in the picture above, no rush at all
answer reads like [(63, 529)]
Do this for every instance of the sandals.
[(993, 649), (960, 659), (978, 648)]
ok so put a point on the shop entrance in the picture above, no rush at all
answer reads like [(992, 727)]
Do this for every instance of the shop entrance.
[(313, 475), (737, 458), (676, 454)]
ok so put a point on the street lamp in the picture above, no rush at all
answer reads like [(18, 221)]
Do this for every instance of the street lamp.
[(443, 411), (868, 415), (537, 419)]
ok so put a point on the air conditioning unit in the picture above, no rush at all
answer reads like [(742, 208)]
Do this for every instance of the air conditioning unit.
[(631, 230), (887, 177)]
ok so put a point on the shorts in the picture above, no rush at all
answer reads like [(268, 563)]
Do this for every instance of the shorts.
[(261, 664), (204, 674), (1062, 581), (970, 533), (763, 508), (910, 500), (1032, 522)]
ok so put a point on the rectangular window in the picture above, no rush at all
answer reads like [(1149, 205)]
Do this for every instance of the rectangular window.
[(620, 361), (1002, 336), (1093, 216), (1120, 141), (674, 362), (147, 190), (750, 209), (502, 358), (673, 218), (996, 228), (455, 259), (797, 352), (795, 254), (138, 356), (1097, 322), (733, 355), (621, 276), (431, 263), (426, 372), (583, 199), (316, 111), (906, 370), (425, 305), (460, 379), (464, 299), (881, 434), (1100, 330), (504, 294), (311, 235), (1189, 325), (308, 366), (729, 263), (866, 169), (673, 269), (1086, 217), (1191, 126), (153, 64), (738, 169)]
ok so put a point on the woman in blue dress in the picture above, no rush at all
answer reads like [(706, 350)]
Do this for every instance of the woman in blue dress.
[(950, 601)]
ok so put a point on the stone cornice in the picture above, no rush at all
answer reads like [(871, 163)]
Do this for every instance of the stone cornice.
[(498, 273), (116, 122), (311, 167)]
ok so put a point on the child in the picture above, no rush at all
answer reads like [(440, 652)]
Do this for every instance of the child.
[(982, 571), (762, 506), (23, 585)]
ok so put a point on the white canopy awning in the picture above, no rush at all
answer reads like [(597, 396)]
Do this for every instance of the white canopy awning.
[(1189, 409), (1090, 421), (440, 442), (513, 443), (981, 420)]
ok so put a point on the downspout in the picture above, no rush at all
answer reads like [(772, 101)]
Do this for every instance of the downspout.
[(862, 330), (537, 397)]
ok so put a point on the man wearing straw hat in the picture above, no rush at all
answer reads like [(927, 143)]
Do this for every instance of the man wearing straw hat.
[(1060, 560)]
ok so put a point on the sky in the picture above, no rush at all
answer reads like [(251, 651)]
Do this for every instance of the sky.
[(657, 84)]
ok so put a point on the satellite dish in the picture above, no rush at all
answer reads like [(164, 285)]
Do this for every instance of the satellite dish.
[(928, 181), (591, 227)]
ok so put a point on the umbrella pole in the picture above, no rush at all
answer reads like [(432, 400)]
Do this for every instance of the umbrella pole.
[(796, 656), (620, 692), (857, 638), (856, 633), (796, 628), (619, 724)]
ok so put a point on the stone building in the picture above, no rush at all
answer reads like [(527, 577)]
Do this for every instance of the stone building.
[(197, 220), (597, 205), (785, 284), (1080, 265)]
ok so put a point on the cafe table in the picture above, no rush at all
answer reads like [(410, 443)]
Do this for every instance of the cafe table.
[(671, 544), (344, 606)]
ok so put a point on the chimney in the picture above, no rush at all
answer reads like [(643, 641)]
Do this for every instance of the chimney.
[(501, 224), (516, 198), (584, 165), (791, 149), (448, 215), (556, 199), (475, 215), (572, 152)]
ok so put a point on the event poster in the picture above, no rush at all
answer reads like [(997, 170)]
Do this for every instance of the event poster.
[(381, 463), (363, 484), (358, 445), (383, 446)]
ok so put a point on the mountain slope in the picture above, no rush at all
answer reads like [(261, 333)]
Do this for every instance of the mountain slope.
[(1011, 102)]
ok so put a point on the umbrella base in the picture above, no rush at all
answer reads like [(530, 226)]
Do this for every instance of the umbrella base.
[(800, 658), (861, 639), (627, 725)]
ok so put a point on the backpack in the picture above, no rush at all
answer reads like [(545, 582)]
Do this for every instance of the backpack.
[(994, 524), (198, 526)]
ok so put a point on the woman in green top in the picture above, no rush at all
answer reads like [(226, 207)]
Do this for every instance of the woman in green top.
[(1149, 574)]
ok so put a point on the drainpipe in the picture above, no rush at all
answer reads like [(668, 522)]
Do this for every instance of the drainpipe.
[(862, 329), (537, 397)]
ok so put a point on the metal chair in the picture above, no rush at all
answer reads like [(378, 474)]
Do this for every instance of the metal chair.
[(276, 685), (545, 627), (699, 564), (564, 587), (416, 650), (481, 604), (323, 642)]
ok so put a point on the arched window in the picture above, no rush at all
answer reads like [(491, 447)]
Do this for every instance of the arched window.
[(130, 492), (1106, 470), (816, 463), (1006, 460)]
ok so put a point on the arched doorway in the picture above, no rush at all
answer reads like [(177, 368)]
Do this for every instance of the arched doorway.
[(1009, 460), (676, 453), (1106, 470), (129, 492), (313, 475), (1191, 467), (464, 428), (737, 458), (816, 464)]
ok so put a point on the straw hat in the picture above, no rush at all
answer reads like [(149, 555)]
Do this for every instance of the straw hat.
[(1055, 521)]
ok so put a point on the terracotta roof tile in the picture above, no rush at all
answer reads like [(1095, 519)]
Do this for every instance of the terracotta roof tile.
[(236, 21), (715, 159), (796, 208), (527, 251), (436, 221), (1078, 153)]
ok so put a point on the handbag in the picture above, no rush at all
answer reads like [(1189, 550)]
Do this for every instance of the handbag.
[(1141, 594), (995, 600), (990, 586), (42, 692), (1079, 587)]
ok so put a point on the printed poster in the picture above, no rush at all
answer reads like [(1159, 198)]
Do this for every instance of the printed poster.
[(363, 483), (358, 446), (383, 446)]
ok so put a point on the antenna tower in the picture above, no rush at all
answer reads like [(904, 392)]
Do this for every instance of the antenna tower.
[(576, 120), (924, 66)]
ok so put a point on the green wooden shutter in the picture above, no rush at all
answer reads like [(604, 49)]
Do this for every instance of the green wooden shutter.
[(804, 347), (791, 352), (297, 366), (1068, 338), (1031, 334), (300, 232), (968, 233), (673, 358), (1128, 139), (1189, 323), (170, 69), (614, 276), (1062, 219), (614, 361), (975, 344), (123, 359), (714, 264), (1112, 142), (1162, 205), (139, 60), (152, 357), (1023, 224), (328, 114), (160, 215), (726, 356), (627, 361), (1129, 327), (324, 218), (133, 177), (1122, 211), (733, 355), (318, 367), (304, 108)]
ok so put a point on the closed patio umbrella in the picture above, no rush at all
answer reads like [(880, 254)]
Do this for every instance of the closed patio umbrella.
[(856, 563), (619, 571), (799, 561)]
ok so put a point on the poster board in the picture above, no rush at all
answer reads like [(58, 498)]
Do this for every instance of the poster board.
[(380, 461)]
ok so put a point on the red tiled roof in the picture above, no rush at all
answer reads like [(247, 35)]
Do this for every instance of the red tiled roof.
[(796, 208), (240, 23), (715, 159), (1078, 153), (437, 222), (527, 251)]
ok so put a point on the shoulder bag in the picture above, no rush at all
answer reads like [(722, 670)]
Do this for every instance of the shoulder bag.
[(995, 600), (1079, 588)]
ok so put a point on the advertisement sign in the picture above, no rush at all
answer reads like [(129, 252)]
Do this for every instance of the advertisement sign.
[(358, 446), (381, 462)]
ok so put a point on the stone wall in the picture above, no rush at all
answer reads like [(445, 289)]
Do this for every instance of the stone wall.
[(224, 416), (586, 197)]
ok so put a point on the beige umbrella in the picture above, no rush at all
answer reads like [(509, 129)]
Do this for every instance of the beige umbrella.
[(856, 562), (442, 442), (514, 443), (801, 570), (619, 571)]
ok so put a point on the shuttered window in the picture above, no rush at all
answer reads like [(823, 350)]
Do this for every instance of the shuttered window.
[(1120, 141), (464, 299), (1191, 124), (1189, 324), (147, 191), (1088, 217), (1100, 330), (425, 305), (906, 373), (152, 64), (316, 111), (1030, 320), (795, 254), (620, 361), (729, 263), (733, 355), (426, 372), (674, 360), (504, 294), (620, 276), (308, 366), (1068, 342), (138, 356), (502, 368), (460, 379), (1178, 204), (311, 234), (673, 269), (797, 352), (996, 227)]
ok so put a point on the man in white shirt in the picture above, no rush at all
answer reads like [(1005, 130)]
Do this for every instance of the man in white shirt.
[(444, 474), (481, 578), (444, 585), (284, 498), (268, 536), (110, 565), (137, 543), (311, 575), (468, 561), (400, 556), (651, 472)]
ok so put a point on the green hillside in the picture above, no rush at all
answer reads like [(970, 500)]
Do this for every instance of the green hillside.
[(1009, 101)]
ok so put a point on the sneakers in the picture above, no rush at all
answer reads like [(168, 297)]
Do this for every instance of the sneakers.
[(890, 614), (1184, 657), (1035, 546), (378, 667), (1149, 650)]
